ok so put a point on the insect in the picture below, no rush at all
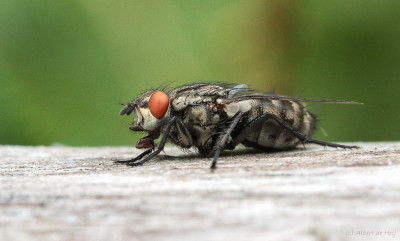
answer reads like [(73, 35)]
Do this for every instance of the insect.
[(217, 117)]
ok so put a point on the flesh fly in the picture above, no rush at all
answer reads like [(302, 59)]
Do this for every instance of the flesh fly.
[(217, 117)]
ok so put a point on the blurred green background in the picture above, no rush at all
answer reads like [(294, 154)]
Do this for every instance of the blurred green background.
[(65, 66)]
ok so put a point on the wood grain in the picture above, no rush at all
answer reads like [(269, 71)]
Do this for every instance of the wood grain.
[(66, 193)]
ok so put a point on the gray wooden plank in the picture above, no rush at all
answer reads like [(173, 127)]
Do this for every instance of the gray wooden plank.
[(78, 193)]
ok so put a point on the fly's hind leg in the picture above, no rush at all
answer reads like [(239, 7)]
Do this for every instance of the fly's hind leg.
[(303, 138), (221, 145)]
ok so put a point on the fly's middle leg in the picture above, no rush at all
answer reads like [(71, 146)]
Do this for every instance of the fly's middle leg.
[(221, 145)]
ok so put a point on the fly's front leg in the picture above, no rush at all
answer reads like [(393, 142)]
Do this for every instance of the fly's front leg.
[(150, 153), (132, 161), (221, 145), (146, 142)]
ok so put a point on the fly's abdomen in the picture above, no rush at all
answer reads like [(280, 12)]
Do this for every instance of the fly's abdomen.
[(271, 134)]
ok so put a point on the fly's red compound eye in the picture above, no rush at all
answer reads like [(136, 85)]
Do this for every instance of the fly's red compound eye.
[(158, 104)]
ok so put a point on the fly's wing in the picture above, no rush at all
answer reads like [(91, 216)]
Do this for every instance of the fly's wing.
[(194, 94), (239, 90), (271, 96), (198, 93)]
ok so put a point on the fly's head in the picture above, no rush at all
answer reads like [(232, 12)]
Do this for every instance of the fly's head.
[(152, 112)]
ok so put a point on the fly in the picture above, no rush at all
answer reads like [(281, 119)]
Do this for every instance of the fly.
[(217, 117)]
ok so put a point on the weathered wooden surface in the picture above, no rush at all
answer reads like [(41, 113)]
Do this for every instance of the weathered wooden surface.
[(64, 193)]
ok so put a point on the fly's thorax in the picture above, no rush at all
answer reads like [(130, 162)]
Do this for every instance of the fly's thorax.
[(182, 102), (201, 115), (194, 94)]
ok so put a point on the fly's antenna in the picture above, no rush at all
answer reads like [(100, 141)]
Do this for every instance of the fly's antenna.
[(127, 110)]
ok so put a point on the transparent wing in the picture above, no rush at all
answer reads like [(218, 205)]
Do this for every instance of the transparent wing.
[(277, 97)]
